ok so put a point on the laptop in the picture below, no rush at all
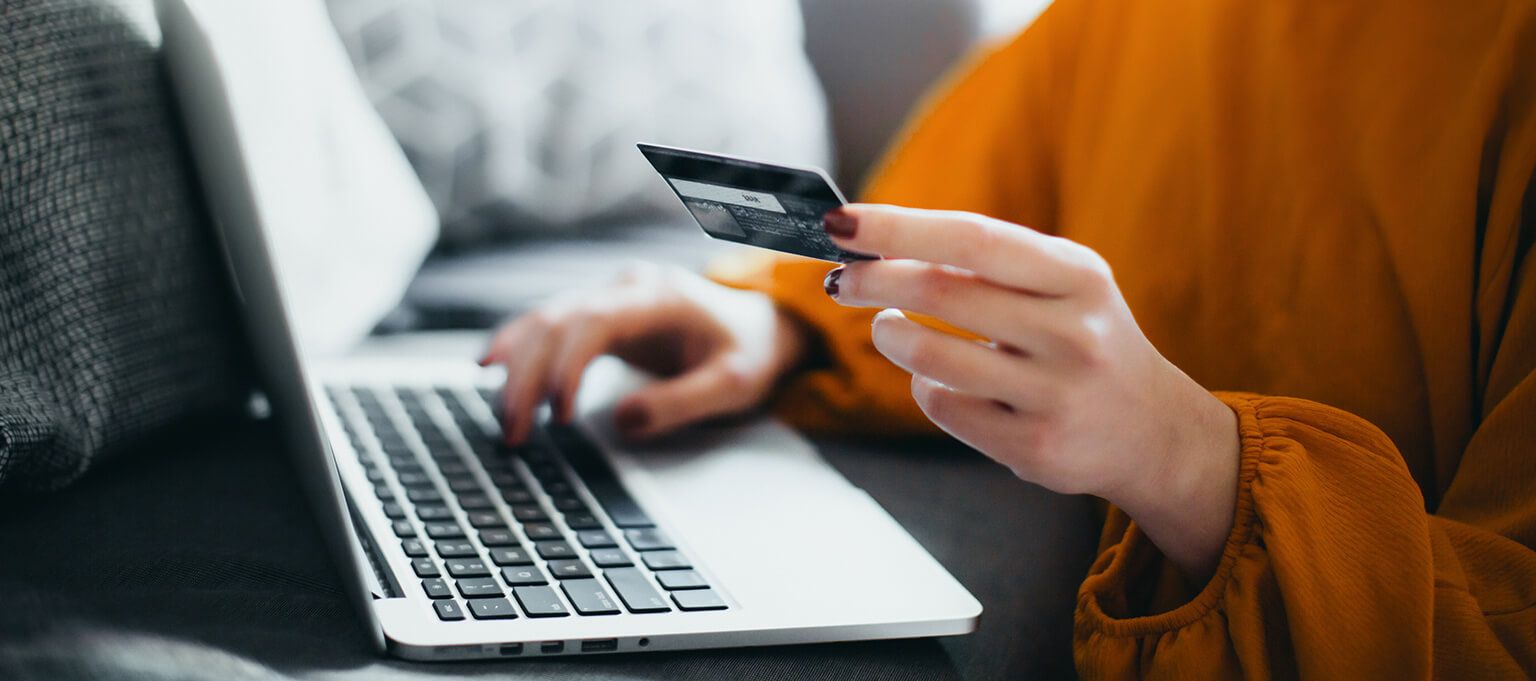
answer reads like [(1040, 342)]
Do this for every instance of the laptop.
[(453, 546)]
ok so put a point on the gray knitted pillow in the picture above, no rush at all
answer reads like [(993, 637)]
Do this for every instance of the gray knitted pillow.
[(114, 316)]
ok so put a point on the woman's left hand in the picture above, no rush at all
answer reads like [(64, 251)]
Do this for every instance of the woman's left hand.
[(1066, 391)]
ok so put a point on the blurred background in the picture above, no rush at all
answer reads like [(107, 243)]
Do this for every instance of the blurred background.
[(520, 119)]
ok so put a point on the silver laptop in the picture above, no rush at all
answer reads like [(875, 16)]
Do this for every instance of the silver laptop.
[(454, 547)]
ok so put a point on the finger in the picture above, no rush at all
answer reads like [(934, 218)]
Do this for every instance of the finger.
[(496, 349), (1031, 323), (714, 388), (965, 365), (977, 421), (529, 347), (1007, 254), (583, 340)]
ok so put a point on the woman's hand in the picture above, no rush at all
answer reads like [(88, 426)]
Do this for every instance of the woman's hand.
[(1066, 391), (721, 349)]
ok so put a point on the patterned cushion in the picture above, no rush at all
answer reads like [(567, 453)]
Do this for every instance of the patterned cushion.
[(523, 114), (114, 317)]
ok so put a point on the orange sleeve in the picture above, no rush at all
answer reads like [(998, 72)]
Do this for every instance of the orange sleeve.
[(991, 98), (1334, 568)]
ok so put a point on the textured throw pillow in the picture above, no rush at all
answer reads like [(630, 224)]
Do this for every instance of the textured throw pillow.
[(522, 115), (114, 317)]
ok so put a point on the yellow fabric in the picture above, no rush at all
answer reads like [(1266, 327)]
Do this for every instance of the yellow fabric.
[(1326, 208)]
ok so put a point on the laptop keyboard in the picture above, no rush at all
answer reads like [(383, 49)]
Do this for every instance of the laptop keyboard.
[(501, 533)]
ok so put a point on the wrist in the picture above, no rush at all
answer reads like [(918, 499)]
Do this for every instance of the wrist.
[(1186, 501)]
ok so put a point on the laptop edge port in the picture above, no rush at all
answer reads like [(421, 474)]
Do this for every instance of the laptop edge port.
[(600, 645)]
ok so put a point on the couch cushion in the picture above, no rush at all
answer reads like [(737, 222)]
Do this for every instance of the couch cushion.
[(114, 319)]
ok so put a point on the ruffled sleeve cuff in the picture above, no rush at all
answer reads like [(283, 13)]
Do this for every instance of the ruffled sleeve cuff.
[(1130, 562)]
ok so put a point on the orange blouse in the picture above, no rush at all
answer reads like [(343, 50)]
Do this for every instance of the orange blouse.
[(1325, 210)]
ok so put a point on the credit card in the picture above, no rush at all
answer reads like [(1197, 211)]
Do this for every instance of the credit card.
[(767, 205)]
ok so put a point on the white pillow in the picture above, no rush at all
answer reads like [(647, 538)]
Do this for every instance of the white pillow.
[(523, 114)]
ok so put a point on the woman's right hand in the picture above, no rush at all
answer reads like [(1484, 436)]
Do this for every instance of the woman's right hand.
[(720, 351)]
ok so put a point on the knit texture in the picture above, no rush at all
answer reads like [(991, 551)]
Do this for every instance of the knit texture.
[(114, 316)]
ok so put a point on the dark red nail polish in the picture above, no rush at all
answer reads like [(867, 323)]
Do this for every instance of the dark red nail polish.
[(830, 283), (632, 418), (840, 223)]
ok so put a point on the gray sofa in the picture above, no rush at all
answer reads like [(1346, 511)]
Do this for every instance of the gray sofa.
[(191, 554)]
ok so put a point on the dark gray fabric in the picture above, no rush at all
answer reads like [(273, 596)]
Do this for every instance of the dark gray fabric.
[(113, 315), (203, 562)]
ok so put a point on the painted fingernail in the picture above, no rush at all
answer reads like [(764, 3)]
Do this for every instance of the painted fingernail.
[(631, 419), (831, 282), (840, 223)]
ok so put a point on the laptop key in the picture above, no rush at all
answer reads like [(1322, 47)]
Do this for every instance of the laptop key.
[(511, 556), (415, 479), (569, 569), (467, 567), (433, 512), (445, 531), (448, 611), (479, 587), (678, 580), (393, 510), (589, 597), (523, 575), (637, 593), (475, 502), (610, 558), (529, 514), (436, 588), (539, 601), (568, 504), (492, 609), (517, 496), (665, 560), (463, 484), (595, 539), (698, 599), (483, 519), (552, 550), (538, 531), (413, 547), (455, 549), (423, 495), (424, 567), (404, 529), (505, 479), (647, 539), (385, 494), (498, 537), (582, 521)]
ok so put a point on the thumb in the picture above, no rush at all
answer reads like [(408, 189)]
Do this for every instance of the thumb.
[(714, 388)]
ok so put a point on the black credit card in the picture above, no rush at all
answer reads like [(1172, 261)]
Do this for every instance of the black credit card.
[(751, 202)]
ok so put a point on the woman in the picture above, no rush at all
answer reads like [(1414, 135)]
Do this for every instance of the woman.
[(1322, 212)]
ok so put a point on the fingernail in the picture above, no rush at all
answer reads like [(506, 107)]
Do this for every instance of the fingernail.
[(830, 283), (631, 419), (483, 361), (840, 223)]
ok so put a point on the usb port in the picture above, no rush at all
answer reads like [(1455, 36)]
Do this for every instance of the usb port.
[(511, 649), (600, 645), (551, 647)]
